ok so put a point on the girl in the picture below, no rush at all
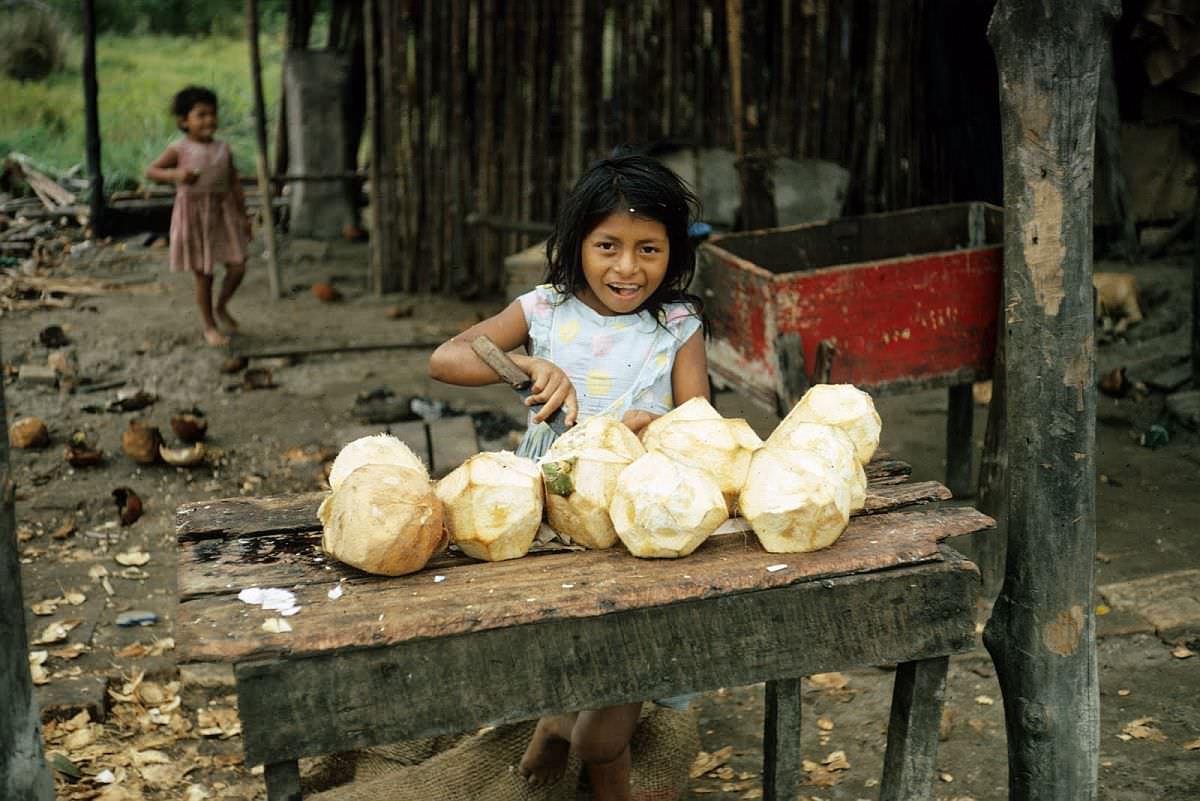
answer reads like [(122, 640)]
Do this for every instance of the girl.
[(209, 222), (613, 331)]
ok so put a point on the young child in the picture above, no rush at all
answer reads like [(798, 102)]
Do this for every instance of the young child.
[(613, 331), (209, 222)]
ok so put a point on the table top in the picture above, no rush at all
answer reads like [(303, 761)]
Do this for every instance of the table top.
[(229, 545)]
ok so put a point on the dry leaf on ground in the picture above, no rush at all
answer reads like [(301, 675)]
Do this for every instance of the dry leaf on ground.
[(1182, 652), (1144, 729), (824, 724), (56, 631), (705, 762), (836, 761), (984, 700), (828, 681), (132, 558), (1192, 745)]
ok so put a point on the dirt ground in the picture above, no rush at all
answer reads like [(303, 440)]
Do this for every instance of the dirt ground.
[(168, 734)]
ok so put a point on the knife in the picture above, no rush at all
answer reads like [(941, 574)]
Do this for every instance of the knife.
[(515, 377)]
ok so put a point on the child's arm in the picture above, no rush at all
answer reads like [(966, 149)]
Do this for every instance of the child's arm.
[(689, 379), (455, 363), (166, 170)]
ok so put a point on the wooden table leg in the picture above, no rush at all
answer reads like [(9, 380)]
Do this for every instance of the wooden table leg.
[(908, 763), (960, 422), (781, 740), (283, 781)]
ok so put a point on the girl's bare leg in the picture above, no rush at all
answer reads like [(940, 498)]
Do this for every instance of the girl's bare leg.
[(601, 739), (204, 300), (233, 278), (545, 757)]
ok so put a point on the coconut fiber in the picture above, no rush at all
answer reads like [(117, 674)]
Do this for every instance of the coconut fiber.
[(482, 766)]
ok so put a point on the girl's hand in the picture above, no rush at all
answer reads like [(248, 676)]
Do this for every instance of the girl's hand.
[(186, 176), (637, 420), (551, 388)]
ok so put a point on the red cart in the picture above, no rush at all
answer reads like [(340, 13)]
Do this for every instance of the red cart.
[(889, 302)]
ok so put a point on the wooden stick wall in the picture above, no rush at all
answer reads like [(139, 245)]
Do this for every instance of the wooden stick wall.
[(493, 109)]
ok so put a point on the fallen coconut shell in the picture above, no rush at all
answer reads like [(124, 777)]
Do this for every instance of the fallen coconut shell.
[(129, 505), (28, 432), (80, 451), (141, 442), (326, 292), (189, 456), (189, 427)]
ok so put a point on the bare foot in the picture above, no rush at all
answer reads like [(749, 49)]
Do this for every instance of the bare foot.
[(215, 338), (226, 320), (545, 758)]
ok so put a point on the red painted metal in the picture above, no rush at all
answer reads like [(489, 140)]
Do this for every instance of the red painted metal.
[(925, 319)]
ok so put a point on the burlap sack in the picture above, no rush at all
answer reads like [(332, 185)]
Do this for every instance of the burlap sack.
[(481, 766)]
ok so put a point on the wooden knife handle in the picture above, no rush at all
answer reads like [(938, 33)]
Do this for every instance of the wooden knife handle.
[(499, 361)]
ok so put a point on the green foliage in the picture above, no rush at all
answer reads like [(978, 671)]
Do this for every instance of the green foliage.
[(174, 17), (32, 44), (138, 76)]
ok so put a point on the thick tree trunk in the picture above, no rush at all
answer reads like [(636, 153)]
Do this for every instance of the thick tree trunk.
[(1042, 630), (91, 92), (260, 137), (24, 775)]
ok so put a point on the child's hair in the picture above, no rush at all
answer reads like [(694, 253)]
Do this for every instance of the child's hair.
[(627, 180), (188, 98)]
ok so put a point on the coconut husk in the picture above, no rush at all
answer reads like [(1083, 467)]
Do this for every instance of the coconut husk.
[(141, 442)]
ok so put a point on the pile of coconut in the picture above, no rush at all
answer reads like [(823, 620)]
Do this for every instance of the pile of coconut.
[(660, 495)]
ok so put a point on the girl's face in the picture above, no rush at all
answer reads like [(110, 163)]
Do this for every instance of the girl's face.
[(624, 261), (200, 122)]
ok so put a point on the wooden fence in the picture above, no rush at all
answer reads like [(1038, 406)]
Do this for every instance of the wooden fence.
[(485, 109)]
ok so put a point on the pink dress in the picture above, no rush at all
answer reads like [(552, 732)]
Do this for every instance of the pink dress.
[(207, 222)]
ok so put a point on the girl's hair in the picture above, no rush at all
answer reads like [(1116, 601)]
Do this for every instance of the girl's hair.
[(189, 97), (627, 180)]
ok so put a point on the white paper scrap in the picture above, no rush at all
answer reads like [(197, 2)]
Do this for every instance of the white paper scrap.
[(776, 568), (336, 592)]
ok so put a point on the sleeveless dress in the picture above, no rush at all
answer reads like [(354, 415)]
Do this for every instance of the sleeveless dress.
[(207, 223), (616, 363)]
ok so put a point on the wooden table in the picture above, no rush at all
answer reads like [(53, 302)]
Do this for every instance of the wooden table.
[(463, 644)]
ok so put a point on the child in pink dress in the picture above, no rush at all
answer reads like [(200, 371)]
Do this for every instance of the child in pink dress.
[(209, 223)]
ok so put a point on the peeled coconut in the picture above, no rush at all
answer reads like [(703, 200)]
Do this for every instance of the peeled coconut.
[(493, 505), (793, 501), (383, 518), (842, 405), (28, 432), (665, 509), (721, 447), (834, 447), (141, 442), (187, 456), (375, 449), (580, 472)]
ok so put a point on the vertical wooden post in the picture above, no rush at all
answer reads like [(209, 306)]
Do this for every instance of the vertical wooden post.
[(960, 428), (1196, 297), (912, 740), (1042, 631), (781, 739), (91, 92), (24, 773), (260, 137)]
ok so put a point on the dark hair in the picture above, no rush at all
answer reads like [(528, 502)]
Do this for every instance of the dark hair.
[(627, 180), (189, 97)]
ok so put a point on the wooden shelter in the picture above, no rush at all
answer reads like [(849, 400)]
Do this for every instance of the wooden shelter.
[(485, 112)]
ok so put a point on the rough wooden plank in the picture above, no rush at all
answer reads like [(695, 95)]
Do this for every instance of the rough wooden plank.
[(214, 565), (781, 740), (233, 517), (478, 596), (330, 702), (452, 441), (909, 760)]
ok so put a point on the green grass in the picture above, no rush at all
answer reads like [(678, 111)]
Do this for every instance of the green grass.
[(138, 76)]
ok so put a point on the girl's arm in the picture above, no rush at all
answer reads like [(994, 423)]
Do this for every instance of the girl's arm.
[(689, 379), (166, 170), (455, 363)]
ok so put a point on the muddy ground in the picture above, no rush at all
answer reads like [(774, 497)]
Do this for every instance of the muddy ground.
[(170, 735)]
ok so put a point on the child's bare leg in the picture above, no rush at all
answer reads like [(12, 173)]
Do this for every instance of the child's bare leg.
[(545, 757), (233, 279), (204, 300), (601, 739)]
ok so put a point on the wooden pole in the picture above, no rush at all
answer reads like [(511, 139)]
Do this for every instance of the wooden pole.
[(260, 135), (91, 92), (1042, 631), (24, 773), (733, 11)]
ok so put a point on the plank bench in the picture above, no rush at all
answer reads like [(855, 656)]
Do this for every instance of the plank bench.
[(463, 644)]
